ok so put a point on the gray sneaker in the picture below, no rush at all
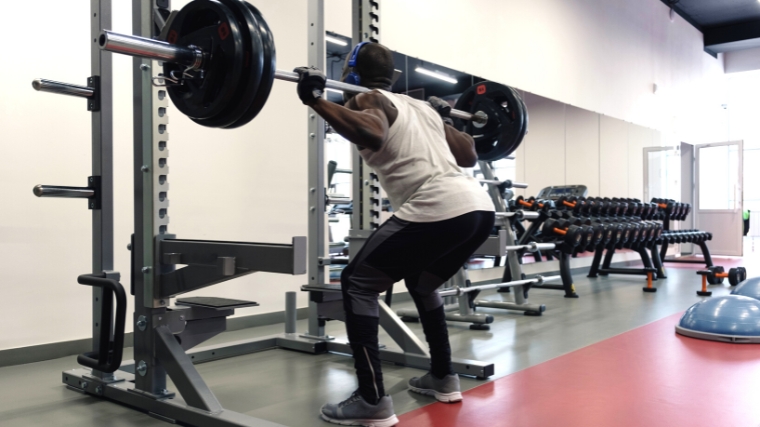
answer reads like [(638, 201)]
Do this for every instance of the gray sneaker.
[(444, 390), (355, 411)]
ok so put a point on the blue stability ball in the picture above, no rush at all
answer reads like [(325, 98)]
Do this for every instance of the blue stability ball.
[(730, 318), (748, 288)]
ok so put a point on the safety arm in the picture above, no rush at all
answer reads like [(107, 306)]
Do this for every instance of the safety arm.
[(366, 128), (462, 146)]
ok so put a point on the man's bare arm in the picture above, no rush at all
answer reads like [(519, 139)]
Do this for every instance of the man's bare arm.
[(462, 146), (363, 122)]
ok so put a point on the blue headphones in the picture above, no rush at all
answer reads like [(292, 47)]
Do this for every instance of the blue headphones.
[(353, 78)]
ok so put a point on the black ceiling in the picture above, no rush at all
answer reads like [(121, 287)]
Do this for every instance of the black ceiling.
[(727, 25)]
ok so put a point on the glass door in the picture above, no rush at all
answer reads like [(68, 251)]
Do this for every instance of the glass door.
[(662, 180), (719, 183)]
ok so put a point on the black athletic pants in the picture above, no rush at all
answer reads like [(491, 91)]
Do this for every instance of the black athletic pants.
[(424, 255)]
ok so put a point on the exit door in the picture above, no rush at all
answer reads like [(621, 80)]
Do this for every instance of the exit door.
[(718, 188)]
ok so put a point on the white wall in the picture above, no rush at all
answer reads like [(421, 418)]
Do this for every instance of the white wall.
[(570, 146), (582, 141), (599, 55), (244, 185), (742, 60)]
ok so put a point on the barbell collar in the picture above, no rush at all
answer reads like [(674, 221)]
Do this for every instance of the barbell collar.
[(142, 47), (60, 88), (192, 57), (331, 200), (64, 192)]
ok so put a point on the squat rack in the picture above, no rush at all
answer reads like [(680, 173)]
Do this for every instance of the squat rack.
[(165, 333)]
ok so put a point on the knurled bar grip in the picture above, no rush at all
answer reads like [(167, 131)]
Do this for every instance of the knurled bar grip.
[(192, 57)]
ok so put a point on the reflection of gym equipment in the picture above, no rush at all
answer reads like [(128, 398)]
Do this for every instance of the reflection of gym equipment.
[(459, 293)]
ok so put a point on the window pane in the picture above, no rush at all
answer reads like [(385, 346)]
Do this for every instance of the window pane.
[(718, 177), (664, 174)]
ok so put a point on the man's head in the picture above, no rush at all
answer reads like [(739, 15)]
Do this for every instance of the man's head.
[(374, 66)]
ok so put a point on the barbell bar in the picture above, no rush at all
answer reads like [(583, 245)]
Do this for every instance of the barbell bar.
[(538, 280), (507, 184), (192, 57)]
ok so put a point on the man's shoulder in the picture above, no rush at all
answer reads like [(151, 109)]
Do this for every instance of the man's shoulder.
[(373, 99)]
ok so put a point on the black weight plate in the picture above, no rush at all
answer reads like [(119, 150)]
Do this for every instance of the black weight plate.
[(502, 133), (212, 27), (715, 280), (524, 116), (252, 66), (268, 70)]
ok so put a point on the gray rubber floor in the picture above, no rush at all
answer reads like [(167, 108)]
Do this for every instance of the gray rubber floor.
[(288, 387)]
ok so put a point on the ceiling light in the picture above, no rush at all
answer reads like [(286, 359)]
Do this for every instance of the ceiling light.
[(335, 40), (335, 90), (437, 75)]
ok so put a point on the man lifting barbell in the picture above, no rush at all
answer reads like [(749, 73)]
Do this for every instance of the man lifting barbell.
[(442, 216)]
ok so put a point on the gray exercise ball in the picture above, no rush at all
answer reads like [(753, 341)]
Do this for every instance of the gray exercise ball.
[(748, 288), (730, 318)]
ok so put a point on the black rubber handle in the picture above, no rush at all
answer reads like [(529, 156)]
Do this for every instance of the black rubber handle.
[(109, 354)]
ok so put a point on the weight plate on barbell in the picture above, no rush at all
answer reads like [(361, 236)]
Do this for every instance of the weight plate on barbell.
[(253, 65), (212, 27), (524, 115), (506, 125), (268, 71)]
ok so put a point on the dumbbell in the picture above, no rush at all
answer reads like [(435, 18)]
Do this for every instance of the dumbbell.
[(566, 202), (571, 235), (686, 212), (523, 203), (587, 230), (714, 275)]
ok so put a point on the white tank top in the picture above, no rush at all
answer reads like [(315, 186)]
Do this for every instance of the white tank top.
[(417, 169)]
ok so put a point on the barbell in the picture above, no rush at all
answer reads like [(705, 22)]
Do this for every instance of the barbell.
[(219, 64)]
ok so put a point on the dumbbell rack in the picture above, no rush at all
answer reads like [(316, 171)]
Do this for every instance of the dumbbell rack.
[(671, 212)]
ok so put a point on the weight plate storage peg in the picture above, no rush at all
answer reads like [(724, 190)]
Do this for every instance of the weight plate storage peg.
[(507, 119)]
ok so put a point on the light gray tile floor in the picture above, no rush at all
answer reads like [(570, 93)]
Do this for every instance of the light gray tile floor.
[(287, 387)]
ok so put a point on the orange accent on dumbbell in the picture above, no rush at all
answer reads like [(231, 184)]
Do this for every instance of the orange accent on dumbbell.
[(649, 279), (568, 204), (704, 283), (662, 205), (721, 275), (524, 203), (560, 231)]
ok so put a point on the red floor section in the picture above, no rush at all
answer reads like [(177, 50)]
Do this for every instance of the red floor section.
[(648, 377)]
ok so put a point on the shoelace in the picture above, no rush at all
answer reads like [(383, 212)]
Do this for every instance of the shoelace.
[(354, 397)]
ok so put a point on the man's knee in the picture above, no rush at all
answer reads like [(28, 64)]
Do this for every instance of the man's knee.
[(426, 291), (361, 287)]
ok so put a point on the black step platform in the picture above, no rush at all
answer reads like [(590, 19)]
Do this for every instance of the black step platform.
[(216, 303)]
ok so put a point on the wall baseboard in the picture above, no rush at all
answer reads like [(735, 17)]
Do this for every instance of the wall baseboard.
[(56, 350)]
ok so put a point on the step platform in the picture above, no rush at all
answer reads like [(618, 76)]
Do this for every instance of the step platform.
[(215, 303)]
